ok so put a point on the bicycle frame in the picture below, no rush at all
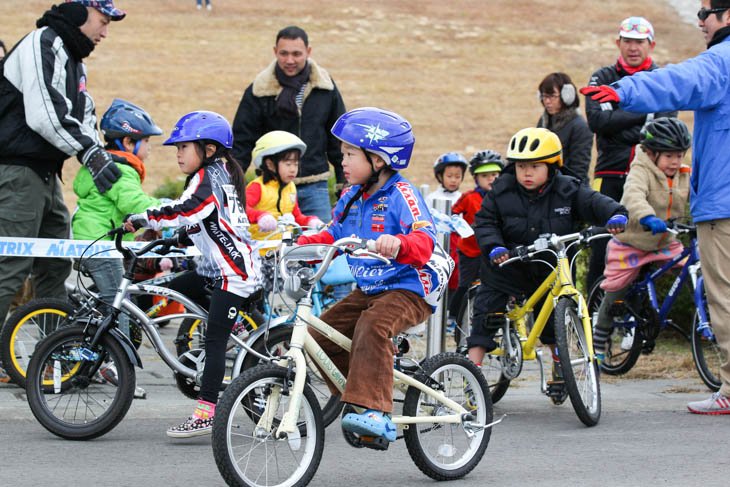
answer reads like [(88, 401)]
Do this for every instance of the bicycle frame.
[(303, 343)]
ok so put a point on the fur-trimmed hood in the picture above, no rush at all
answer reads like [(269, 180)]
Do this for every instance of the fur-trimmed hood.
[(266, 84)]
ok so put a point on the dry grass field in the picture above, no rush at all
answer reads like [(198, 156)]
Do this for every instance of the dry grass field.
[(464, 72)]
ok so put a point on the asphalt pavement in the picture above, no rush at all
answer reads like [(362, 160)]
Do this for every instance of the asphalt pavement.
[(646, 436)]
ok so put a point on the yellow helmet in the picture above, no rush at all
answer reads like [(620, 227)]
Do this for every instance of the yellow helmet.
[(274, 142), (535, 145)]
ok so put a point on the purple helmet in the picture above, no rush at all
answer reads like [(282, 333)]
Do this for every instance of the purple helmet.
[(202, 125), (385, 134)]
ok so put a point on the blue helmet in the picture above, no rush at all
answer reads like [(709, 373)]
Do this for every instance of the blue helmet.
[(449, 159), (125, 119), (385, 134), (202, 125)]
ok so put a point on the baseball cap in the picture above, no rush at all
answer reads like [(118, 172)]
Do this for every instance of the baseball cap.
[(104, 6), (636, 28)]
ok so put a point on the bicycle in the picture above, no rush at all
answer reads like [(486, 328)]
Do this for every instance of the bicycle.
[(639, 317), (62, 388), (268, 428), (517, 339)]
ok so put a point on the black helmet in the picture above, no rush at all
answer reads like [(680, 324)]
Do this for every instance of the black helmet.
[(665, 134), (485, 158)]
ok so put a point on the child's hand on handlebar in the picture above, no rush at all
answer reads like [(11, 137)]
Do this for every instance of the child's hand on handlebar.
[(267, 223), (498, 255), (616, 224), (388, 246), (132, 222)]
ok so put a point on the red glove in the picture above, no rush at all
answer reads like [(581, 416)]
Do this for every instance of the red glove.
[(601, 93)]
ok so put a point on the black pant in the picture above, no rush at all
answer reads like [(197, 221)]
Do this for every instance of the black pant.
[(222, 312), (613, 187), (468, 273)]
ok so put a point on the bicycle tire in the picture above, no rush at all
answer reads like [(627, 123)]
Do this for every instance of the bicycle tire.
[(705, 352), (617, 360), (28, 325), (73, 385), (276, 345), (491, 364), (235, 428), (579, 371), (462, 381)]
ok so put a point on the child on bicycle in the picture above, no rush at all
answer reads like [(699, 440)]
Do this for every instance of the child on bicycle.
[(484, 167), (657, 188), (273, 194), (212, 211), (530, 198), (127, 129), (380, 205), (449, 169)]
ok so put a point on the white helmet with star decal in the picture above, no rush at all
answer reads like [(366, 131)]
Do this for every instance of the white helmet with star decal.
[(385, 134)]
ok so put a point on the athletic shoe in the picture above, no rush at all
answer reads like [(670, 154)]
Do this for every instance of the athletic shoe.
[(140, 393), (198, 7), (370, 423), (3, 376), (717, 404), (209, 7), (628, 341), (192, 427), (556, 387), (109, 373), (451, 326)]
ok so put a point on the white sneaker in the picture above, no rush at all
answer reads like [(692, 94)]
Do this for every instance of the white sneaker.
[(716, 404), (209, 7), (198, 6), (139, 393)]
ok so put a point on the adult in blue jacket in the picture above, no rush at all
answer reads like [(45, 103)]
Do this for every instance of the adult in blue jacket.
[(699, 84)]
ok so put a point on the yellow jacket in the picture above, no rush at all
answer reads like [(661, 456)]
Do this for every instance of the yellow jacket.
[(262, 199)]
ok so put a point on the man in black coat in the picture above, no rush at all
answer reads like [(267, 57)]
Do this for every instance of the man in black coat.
[(297, 95), (617, 131)]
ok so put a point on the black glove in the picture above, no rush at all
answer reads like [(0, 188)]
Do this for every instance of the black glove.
[(102, 168)]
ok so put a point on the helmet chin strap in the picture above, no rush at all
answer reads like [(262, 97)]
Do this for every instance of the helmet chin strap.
[(370, 182), (121, 146)]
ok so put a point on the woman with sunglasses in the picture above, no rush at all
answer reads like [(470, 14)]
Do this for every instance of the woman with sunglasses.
[(699, 84)]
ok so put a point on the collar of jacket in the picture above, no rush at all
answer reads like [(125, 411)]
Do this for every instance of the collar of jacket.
[(559, 183), (132, 161), (643, 160), (560, 119), (266, 84), (719, 36), (395, 178)]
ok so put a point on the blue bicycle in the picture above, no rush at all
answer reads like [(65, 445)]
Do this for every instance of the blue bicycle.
[(640, 316)]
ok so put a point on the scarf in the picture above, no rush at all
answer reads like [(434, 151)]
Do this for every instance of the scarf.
[(559, 120), (65, 23), (719, 36), (622, 66), (286, 103)]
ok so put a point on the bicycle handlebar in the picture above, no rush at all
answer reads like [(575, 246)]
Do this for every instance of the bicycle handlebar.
[(673, 226), (167, 245), (553, 241)]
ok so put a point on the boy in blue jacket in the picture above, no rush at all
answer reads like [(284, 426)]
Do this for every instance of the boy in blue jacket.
[(699, 84), (383, 206)]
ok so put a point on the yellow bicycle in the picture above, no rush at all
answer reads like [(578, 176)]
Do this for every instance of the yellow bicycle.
[(572, 330)]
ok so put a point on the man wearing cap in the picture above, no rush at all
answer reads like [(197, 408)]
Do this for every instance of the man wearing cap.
[(617, 131), (47, 116), (296, 95), (699, 84)]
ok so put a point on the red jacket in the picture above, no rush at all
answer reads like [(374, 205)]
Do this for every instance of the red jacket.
[(467, 206)]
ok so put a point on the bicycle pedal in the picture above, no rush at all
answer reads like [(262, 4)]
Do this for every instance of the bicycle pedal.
[(374, 442), (556, 391)]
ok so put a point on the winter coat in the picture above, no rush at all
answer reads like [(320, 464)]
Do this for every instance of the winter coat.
[(511, 216), (322, 105), (575, 137), (95, 210), (467, 206), (648, 191), (617, 130), (699, 84), (46, 114), (261, 199)]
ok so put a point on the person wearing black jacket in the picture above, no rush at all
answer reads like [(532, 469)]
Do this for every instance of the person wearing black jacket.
[(47, 116), (559, 97), (296, 95), (530, 198), (617, 131)]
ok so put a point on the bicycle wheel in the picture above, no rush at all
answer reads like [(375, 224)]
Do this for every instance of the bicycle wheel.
[(191, 333), (245, 449), (579, 371), (28, 325), (276, 345), (67, 396), (706, 354), (444, 451), (623, 345)]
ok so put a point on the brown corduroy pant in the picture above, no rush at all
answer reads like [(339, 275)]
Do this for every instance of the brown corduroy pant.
[(371, 321)]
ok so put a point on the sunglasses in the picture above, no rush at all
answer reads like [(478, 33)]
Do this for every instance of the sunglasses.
[(641, 29), (703, 13)]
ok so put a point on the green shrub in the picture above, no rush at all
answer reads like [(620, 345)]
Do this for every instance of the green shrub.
[(171, 189)]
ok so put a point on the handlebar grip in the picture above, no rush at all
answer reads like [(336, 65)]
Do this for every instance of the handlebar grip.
[(370, 244), (116, 231)]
